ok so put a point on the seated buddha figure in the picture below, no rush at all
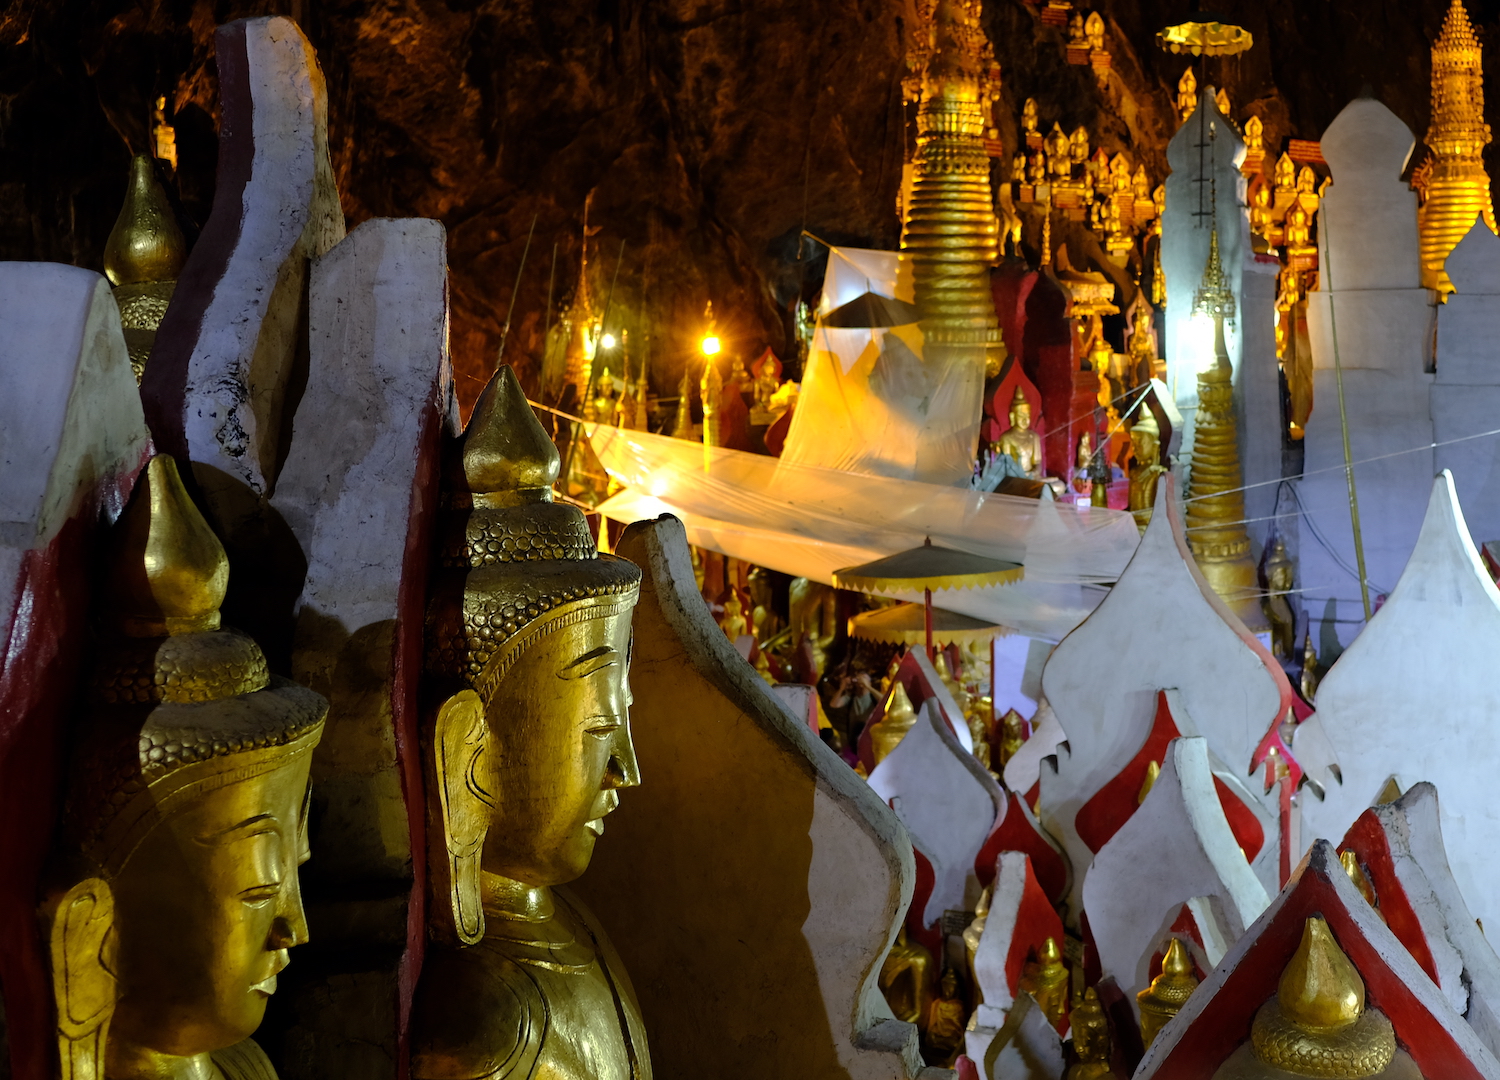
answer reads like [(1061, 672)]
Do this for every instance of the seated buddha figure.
[(1145, 466), (526, 750), (173, 900), (1019, 441)]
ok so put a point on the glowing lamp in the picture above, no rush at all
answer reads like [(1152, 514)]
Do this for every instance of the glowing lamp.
[(607, 341), (710, 345)]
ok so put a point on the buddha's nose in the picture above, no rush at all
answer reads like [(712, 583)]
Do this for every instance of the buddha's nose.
[(624, 770), (289, 928)]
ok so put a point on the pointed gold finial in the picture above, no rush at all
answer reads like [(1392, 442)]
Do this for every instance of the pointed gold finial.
[(1153, 771), (145, 244), (1168, 992), (1350, 862), (1317, 1024), (508, 459), (168, 573)]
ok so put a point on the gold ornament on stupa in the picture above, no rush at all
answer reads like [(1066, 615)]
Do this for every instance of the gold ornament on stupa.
[(1317, 1024), (950, 232), (1457, 187), (887, 732), (142, 258), (1168, 992), (1215, 496)]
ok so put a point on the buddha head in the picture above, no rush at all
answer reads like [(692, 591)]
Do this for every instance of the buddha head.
[(528, 648), (1020, 411), (1145, 439), (186, 817)]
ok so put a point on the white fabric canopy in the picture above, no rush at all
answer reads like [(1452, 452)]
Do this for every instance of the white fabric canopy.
[(810, 521)]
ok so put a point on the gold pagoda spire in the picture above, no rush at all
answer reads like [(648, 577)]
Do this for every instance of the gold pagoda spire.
[(1215, 495), (1168, 992), (1458, 188), (950, 229), (142, 258)]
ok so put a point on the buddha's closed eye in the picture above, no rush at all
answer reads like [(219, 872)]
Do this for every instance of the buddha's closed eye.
[(590, 663)]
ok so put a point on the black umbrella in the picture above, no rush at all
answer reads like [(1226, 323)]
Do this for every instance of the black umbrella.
[(869, 310)]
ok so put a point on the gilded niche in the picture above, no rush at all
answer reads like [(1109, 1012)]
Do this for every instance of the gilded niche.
[(173, 900), (527, 748)]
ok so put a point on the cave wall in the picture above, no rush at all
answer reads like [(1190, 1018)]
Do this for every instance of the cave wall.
[(709, 134)]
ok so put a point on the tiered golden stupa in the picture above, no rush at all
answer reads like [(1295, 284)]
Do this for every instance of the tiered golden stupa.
[(950, 229), (1216, 499), (1458, 189)]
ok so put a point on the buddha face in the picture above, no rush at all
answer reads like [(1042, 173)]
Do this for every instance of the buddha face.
[(205, 911), (1020, 417), (559, 748), (1144, 446)]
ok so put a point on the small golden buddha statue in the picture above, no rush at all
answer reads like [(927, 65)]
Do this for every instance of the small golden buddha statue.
[(1221, 101), (1255, 135), (1261, 223), (1059, 164), (972, 933), (604, 400), (1078, 146), (1141, 349), (1168, 992), (163, 135), (945, 1022), (1317, 1023), (1140, 184), (526, 751), (174, 898), (1309, 682), (1046, 979), (1285, 174), (1187, 95), (1307, 181), (733, 623), (1028, 117), (1012, 735), (1083, 462), (887, 732), (1018, 168), (142, 258), (1297, 231), (1091, 1043), (1280, 572), (1036, 168), (1019, 441), (1078, 35), (1093, 28), (739, 378), (906, 980), (1145, 466), (764, 622)]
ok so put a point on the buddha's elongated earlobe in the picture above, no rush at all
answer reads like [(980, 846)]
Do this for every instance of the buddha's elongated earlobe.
[(459, 771), (79, 925)]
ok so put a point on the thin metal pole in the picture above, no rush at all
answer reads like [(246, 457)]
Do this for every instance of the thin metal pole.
[(505, 330), (1338, 374), (927, 620)]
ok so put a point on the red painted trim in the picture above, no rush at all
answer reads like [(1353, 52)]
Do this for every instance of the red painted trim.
[(39, 675), (1367, 839), (1112, 805), (1017, 832)]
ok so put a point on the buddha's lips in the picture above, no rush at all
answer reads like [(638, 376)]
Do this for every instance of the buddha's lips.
[(596, 825)]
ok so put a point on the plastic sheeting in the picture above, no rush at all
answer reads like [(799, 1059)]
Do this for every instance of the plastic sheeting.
[(809, 521), (873, 401)]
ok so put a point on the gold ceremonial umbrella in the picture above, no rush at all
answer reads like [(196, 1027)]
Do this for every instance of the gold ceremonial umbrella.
[(906, 624), (1203, 33), (928, 567)]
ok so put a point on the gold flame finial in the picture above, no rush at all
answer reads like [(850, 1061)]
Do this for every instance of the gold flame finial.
[(145, 243), (169, 572), (1317, 1024), (507, 458), (1168, 992)]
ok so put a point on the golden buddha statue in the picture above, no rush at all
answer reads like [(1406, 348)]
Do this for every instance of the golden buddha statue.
[(1046, 979), (739, 378), (1187, 95), (1083, 462), (1078, 35), (1141, 349), (1168, 992), (1018, 168), (604, 399), (899, 718), (1285, 174), (1093, 28), (1309, 681), (1012, 735), (1457, 186), (1078, 146), (1280, 573), (142, 258), (1019, 441), (1317, 1023), (1091, 1043), (906, 979), (733, 623), (1221, 101), (1028, 118), (945, 1022), (528, 646), (1059, 163), (1036, 168), (972, 933), (1140, 184), (1261, 222), (174, 899), (1145, 466), (1255, 138)]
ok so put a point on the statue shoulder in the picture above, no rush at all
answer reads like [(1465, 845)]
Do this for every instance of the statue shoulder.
[(477, 1016), (245, 1060)]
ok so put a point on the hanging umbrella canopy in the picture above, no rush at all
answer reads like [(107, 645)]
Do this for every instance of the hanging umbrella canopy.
[(928, 567), (906, 624), (869, 310), (1204, 33)]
